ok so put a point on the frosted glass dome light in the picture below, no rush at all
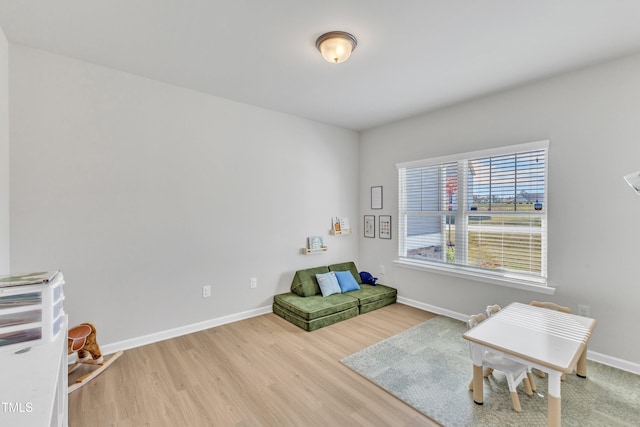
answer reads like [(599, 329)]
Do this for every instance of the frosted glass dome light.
[(336, 46)]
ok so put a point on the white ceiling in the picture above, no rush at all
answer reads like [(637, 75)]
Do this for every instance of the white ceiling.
[(412, 56)]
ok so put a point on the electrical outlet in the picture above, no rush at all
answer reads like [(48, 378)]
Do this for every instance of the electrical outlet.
[(206, 291), (382, 269), (583, 310), (254, 282)]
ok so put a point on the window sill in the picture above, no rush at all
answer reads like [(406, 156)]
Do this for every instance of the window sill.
[(479, 277)]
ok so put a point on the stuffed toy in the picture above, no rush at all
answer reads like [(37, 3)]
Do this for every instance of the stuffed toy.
[(82, 339), (367, 278)]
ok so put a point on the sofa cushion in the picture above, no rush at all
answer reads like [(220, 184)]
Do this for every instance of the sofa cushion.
[(304, 282), (328, 284), (344, 266), (369, 293), (320, 322), (346, 281), (314, 307), (365, 308), (373, 297)]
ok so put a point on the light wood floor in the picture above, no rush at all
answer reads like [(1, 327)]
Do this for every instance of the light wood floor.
[(261, 371)]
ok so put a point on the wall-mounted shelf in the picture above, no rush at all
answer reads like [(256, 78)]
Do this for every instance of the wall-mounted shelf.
[(340, 233), (307, 251)]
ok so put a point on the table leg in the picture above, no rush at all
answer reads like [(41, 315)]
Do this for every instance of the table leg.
[(478, 392), (478, 378), (581, 368), (554, 403)]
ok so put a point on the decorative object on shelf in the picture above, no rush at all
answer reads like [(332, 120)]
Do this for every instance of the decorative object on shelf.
[(315, 245), (633, 179), (82, 341), (335, 221), (376, 197), (385, 226), (336, 46), (370, 226), (315, 242), (340, 226)]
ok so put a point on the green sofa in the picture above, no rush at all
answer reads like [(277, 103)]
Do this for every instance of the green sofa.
[(305, 306)]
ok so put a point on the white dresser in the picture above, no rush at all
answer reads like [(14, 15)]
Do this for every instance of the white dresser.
[(33, 351)]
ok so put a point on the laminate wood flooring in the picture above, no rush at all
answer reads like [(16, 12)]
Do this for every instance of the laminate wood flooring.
[(262, 371)]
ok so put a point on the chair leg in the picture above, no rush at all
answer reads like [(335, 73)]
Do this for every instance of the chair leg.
[(487, 372), (527, 387), (515, 401), (540, 373), (532, 381), (514, 393)]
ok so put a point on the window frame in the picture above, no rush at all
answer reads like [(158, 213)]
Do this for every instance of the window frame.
[(461, 213)]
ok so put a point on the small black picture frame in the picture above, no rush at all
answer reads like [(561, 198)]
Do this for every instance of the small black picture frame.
[(384, 226), (370, 226)]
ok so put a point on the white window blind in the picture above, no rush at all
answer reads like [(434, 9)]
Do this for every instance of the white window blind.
[(480, 213)]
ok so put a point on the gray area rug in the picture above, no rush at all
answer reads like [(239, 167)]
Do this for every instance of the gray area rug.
[(429, 368)]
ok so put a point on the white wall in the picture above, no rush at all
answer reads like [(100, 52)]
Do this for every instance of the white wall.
[(142, 192), (129, 186), (591, 117), (4, 154)]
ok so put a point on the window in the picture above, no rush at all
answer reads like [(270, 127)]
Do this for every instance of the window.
[(482, 214)]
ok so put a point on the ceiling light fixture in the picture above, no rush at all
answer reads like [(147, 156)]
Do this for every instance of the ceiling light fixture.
[(336, 46)]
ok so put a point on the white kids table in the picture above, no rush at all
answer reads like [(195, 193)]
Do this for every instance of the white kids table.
[(548, 340)]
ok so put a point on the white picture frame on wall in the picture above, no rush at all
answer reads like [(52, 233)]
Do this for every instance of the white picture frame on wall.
[(376, 197)]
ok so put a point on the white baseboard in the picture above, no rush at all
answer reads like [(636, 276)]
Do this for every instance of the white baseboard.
[(614, 362), (433, 309), (183, 330), (624, 365)]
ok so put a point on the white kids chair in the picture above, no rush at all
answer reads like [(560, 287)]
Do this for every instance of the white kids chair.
[(515, 372)]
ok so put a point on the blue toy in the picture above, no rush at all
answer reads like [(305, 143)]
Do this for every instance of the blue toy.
[(367, 278)]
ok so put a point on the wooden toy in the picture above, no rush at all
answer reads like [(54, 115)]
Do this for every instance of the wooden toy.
[(82, 340)]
